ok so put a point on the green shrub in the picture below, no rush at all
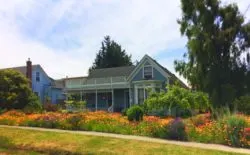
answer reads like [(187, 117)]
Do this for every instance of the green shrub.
[(2, 110), (135, 113), (75, 106), (49, 124), (176, 130), (180, 112), (243, 104), (33, 106), (124, 112), (178, 102), (15, 91), (158, 112), (235, 130)]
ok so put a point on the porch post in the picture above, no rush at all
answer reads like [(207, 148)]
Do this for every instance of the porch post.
[(136, 95), (144, 93), (96, 98), (113, 100), (130, 97)]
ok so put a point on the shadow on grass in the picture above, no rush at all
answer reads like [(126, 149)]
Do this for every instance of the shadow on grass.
[(5, 143)]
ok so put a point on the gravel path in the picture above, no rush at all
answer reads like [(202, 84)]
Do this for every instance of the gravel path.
[(140, 138)]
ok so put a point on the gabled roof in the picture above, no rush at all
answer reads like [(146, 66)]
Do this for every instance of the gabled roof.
[(174, 78), (111, 72), (153, 62), (21, 69), (164, 70)]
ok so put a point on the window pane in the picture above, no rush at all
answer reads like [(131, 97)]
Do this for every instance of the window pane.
[(37, 76), (148, 72)]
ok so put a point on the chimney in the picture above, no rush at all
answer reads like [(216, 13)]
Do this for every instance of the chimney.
[(29, 71)]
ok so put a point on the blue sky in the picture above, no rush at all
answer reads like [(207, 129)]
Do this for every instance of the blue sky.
[(64, 35)]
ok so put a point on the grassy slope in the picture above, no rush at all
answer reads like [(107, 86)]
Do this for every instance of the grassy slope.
[(19, 141)]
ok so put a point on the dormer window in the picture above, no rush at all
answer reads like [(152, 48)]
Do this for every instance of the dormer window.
[(148, 72)]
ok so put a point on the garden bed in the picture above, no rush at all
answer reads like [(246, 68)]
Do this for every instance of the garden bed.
[(200, 128)]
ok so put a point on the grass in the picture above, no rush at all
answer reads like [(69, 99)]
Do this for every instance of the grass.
[(18, 151), (20, 141)]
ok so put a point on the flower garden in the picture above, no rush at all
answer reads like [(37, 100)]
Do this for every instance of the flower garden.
[(232, 130)]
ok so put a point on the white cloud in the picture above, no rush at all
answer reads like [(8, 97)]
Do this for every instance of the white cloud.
[(45, 31)]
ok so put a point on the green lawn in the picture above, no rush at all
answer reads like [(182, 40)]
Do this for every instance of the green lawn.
[(20, 141)]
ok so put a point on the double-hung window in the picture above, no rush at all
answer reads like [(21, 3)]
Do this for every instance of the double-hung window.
[(37, 77), (148, 72)]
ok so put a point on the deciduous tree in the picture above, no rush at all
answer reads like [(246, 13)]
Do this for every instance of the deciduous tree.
[(218, 38), (15, 92)]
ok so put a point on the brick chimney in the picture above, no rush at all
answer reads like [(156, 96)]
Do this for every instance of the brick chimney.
[(29, 71)]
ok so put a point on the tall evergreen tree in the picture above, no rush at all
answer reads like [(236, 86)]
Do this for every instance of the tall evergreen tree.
[(111, 54), (218, 37)]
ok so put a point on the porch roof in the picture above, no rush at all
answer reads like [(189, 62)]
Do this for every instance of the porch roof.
[(111, 72)]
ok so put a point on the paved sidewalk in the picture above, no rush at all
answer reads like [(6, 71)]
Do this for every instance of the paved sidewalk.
[(140, 138)]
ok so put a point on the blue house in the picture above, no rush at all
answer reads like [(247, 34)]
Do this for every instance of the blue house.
[(42, 85), (114, 89)]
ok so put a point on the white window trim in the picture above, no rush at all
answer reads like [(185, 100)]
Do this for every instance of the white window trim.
[(148, 59), (144, 87), (151, 68)]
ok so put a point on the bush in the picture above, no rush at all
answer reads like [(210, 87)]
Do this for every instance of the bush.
[(243, 104), (33, 106), (135, 113), (235, 131), (124, 112), (176, 130), (178, 102), (75, 106), (2, 110), (15, 91)]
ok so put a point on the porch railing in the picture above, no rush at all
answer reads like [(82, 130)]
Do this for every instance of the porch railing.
[(108, 82)]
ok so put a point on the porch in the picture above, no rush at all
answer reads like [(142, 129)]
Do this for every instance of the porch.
[(112, 100)]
